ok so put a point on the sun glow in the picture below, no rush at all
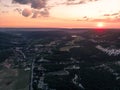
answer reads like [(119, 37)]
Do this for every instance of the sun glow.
[(100, 25)]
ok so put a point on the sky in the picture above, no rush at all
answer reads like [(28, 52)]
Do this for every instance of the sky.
[(60, 13)]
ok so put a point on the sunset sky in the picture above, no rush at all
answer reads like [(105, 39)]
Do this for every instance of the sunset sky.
[(60, 13)]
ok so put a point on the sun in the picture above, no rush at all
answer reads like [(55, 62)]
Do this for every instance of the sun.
[(100, 25)]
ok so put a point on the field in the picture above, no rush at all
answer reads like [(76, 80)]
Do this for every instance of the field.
[(13, 79)]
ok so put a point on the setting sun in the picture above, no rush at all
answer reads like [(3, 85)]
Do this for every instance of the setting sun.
[(100, 24)]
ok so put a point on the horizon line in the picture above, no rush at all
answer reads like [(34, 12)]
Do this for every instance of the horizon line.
[(54, 28)]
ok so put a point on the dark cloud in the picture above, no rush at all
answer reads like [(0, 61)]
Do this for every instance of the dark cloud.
[(85, 18), (44, 13), (39, 8), (92, 0), (107, 20), (70, 0), (22, 1), (113, 14), (18, 10), (75, 2), (35, 13), (26, 12), (82, 2), (38, 4), (106, 15)]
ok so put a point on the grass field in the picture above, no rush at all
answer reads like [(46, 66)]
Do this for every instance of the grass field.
[(14, 79), (22, 80)]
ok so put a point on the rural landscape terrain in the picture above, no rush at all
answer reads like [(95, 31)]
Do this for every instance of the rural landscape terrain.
[(59, 59)]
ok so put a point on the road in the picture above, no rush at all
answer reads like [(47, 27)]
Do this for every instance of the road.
[(31, 78)]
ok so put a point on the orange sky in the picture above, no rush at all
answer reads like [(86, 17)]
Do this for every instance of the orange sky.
[(60, 13)]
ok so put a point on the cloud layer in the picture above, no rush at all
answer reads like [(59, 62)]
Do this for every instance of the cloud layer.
[(41, 8), (75, 2), (22, 1), (36, 4), (38, 8), (43, 13)]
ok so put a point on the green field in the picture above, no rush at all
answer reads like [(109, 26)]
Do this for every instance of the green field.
[(14, 79)]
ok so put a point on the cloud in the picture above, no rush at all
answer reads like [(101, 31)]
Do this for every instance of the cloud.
[(75, 2), (107, 20), (18, 10), (85, 18), (5, 5), (4, 11), (38, 4), (26, 12), (44, 13), (41, 6), (21, 1), (116, 19), (106, 15), (36, 13), (113, 14)]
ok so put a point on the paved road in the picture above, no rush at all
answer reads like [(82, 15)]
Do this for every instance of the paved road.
[(32, 67)]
